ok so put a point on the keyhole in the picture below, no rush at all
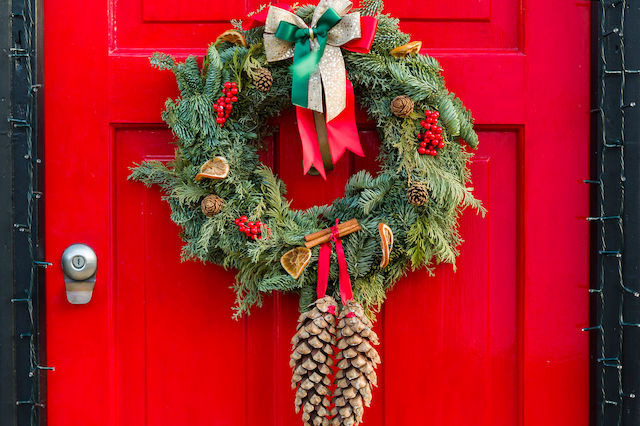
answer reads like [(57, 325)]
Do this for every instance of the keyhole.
[(78, 262)]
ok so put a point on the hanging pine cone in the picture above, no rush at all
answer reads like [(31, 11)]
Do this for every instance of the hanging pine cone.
[(263, 79), (311, 361), (211, 205), (357, 362), (418, 194), (402, 106)]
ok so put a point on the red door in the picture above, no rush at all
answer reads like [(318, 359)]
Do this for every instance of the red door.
[(496, 343)]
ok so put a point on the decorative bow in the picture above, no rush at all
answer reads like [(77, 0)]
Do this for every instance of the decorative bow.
[(306, 60), (316, 51), (318, 70)]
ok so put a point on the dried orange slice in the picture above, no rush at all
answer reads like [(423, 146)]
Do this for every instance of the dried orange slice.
[(386, 243), (232, 36), (294, 261), (413, 47), (218, 168)]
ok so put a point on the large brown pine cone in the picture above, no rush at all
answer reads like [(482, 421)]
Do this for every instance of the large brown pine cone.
[(357, 362), (311, 361), (418, 194), (263, 79)]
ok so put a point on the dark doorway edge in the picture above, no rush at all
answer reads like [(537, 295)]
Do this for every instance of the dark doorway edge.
[(615, 287), (21, 262)]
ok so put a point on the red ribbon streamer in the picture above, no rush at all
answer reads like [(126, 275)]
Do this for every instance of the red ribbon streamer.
[(324, 262), (311, 155), (342, 131), (342, 134)]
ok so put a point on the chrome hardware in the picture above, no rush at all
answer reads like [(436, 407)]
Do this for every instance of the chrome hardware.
[(79, 265)]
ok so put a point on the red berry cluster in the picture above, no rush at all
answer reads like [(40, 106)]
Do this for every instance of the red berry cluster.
[(225, 102), (431, 139), (252, 230)]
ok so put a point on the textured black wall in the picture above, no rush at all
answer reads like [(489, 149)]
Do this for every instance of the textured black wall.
[(21, 365), (7, 326), (616, 213)]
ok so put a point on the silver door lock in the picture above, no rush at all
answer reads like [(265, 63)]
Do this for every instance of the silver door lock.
[(79, 265)]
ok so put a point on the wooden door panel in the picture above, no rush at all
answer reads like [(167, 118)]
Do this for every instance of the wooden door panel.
[(485, 345), (175, 341), (163, 11), (496, 101), (451, 340), (472, 25), (172, 319), (455, 10), (459, 24)]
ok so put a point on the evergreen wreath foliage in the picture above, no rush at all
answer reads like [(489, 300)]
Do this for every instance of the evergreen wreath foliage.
[(423, 235)]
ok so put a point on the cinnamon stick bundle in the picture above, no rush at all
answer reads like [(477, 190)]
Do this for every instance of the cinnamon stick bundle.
[(323, 236)]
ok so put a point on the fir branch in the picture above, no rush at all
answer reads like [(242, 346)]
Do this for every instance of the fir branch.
[(212, 68), (188, 194), (153, 173), (371, 7), (162, 61), (449, 115)]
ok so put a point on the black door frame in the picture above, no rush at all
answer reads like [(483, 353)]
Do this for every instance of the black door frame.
[(615, 272), (21, 249)]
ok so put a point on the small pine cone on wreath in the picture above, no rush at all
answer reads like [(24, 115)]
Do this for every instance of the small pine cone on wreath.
[(418, 194), (263, 79), (357, 361), (402, 106), (311, 361), (211, 205)]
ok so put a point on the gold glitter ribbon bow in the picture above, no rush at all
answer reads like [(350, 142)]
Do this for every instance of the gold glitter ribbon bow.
[(331, 75)]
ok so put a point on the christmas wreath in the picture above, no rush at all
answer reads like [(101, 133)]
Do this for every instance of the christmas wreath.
[(232, 208), (419, 196)]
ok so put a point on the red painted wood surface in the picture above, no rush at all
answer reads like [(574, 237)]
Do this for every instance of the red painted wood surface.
[(495, 343)]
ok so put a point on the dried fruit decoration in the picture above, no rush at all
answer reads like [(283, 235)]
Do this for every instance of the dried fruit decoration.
[(218, 168), (295, 260), (232, 36), (411, 48), (386, 243)]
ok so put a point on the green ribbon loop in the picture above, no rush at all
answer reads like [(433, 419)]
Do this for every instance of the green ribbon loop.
[(305, 60)]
